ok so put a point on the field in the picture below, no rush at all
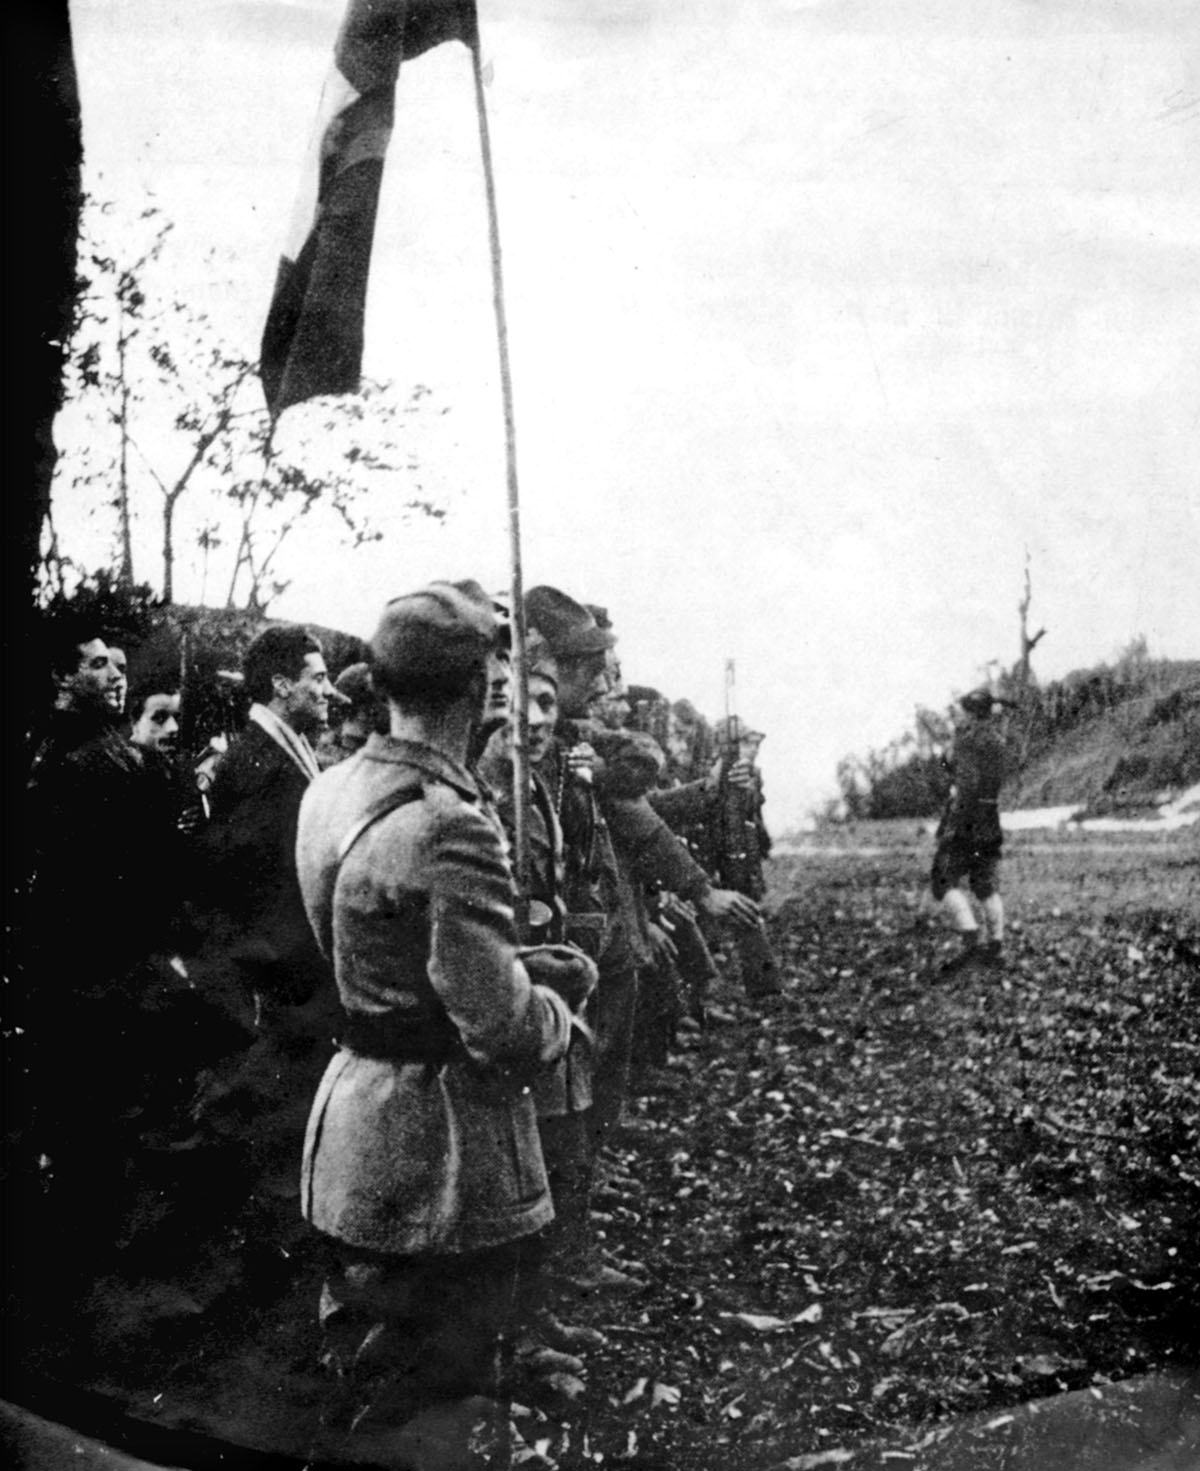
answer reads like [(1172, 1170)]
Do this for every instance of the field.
[(893, 1198), (898, 1198)]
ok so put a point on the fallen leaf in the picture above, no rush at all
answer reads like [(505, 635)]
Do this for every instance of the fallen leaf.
[(760, 1322)]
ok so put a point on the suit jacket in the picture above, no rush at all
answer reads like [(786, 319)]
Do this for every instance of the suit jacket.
[(436, 1155), (105, 858), (249, 862)]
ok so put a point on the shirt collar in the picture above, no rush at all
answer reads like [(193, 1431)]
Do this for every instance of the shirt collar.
[(289, 740), (425, 758)]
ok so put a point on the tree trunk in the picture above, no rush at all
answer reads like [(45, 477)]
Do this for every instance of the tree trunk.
[(168, 549), (125, 570)]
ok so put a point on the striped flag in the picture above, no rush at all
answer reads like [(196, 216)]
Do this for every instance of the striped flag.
[(313, 339)]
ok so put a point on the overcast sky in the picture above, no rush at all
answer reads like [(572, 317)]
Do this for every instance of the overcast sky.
[(822, 313)]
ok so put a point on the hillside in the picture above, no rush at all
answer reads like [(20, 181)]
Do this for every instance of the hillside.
[(1127, 758), (1120, 738)]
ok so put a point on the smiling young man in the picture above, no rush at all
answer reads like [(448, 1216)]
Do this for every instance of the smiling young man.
[(250, 844), (93, 965), (259, 955), (155, 721), (83, 795)]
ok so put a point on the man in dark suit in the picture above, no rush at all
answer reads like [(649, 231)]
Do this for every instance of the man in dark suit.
[(250, 844), (95, 987), (260, 956)]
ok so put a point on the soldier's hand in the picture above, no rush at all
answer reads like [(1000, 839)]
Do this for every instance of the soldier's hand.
[(563, 969), (581, 762), (662, 946), (729, 904), (740, 774)]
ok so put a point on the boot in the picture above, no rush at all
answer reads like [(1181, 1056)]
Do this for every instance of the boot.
[(991, 954), (968, 953)]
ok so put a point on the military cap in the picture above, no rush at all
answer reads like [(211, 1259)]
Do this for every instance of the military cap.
[(733, 729), (567, 626), (353, 685), (435, 638), (472, 589)]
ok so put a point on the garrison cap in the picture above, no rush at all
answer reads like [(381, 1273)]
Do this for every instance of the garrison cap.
[(435, 638), (567, 627), (471, 589), (353, 685)]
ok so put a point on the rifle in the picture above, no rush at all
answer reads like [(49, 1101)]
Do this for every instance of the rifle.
[(738, 857)]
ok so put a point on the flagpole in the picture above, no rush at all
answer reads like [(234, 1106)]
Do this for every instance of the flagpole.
[(520, 743)]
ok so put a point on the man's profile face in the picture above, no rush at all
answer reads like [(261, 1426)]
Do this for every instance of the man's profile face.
[(498, 701), (157, 727), (543, 716), (613, 708), (96, 683), (122, 665), (306, 698), (679, 740), (581, 683), (747, 748)]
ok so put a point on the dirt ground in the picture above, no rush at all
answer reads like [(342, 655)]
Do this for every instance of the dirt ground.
[(893, 1198)]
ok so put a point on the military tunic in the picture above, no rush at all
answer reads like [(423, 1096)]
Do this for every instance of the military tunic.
[(428, 1143)]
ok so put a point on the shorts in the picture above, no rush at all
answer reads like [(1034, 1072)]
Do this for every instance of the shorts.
[(954, 862)]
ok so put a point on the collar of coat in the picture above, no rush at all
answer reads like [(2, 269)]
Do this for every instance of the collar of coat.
[(428, 760), (290, 742)]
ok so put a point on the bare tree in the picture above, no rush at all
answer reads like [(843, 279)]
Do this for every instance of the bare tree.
[(111, 325), (1029, 642), (350, 446), (184, 415)]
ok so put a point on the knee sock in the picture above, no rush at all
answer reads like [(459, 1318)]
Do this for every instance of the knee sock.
[(993, 918), (957, 909)]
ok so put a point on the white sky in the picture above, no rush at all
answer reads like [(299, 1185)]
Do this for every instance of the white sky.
[(821, 313)]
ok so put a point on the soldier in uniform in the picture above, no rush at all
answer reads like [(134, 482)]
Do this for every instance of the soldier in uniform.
[(724, 811), (422, 1170), (969, 839), (562, 1094), (566, 644), (359, 711)]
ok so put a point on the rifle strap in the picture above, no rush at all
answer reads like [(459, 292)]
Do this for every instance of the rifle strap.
[(375, 813)]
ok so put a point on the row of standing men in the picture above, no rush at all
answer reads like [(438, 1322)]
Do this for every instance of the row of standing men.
[(459, 1131)]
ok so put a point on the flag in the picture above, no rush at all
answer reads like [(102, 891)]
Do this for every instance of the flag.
[(313, 339)]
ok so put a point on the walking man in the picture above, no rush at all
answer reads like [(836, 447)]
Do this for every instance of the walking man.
[(969, 838)]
